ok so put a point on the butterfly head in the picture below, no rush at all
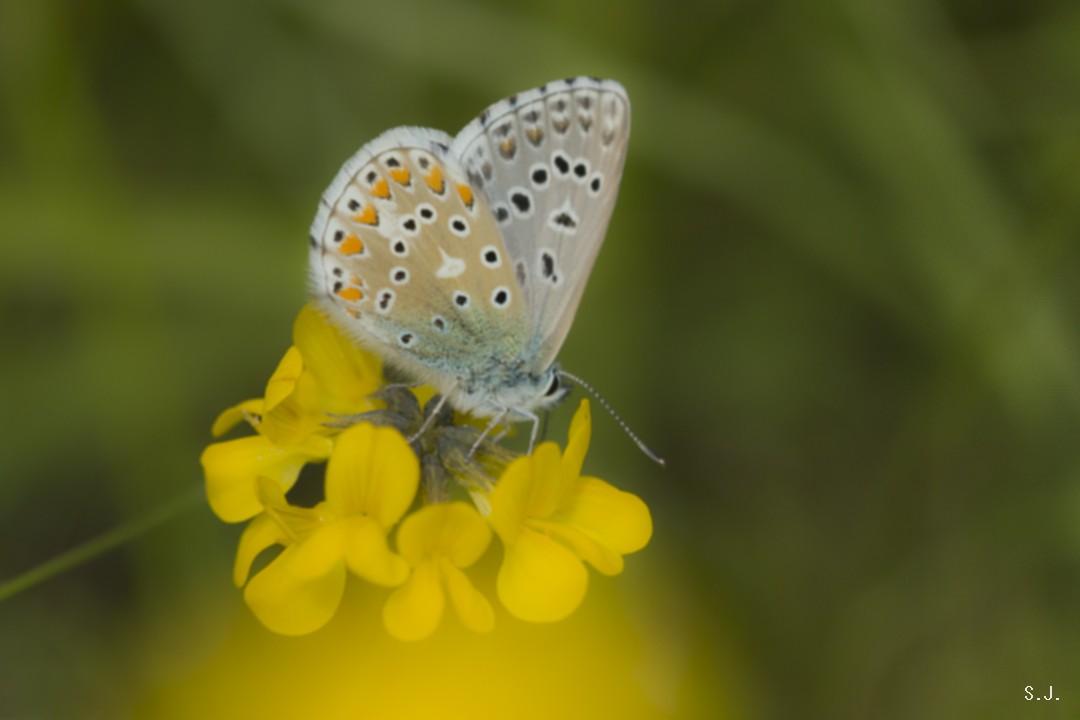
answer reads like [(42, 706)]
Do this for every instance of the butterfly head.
[(523, 394)]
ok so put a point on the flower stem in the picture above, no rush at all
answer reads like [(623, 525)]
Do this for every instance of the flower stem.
[(101, 544)]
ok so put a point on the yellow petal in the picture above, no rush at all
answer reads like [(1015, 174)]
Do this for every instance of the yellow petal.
[(261, 533), (453, 529), (319, 552), (617, 519), (529, 487), (231, 469), (228, 419), (296, 523), (469, 604), (345, 373), (283, 381), (541, 580), (291, 422), (423, 394), (552, 484), (586, 547), (289, 417), (577, 443), (414, 610), (270, 493), (509, 499), (372, 471), (292, 605), (369, 556)]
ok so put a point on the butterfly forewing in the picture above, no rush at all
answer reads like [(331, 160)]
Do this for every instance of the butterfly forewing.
[(549, 162), (409, 259)]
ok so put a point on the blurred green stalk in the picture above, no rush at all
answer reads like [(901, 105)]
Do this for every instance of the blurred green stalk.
[(101, 544)]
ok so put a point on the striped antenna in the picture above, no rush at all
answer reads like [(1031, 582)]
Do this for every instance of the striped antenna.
[(622, 423)]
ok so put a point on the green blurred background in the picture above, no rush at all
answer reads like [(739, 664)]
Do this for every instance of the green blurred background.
[(839, 294)]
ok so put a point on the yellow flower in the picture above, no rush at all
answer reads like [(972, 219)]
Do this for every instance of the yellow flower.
[(437, 542), (550, 518), (233, 467), (371, 480), (339, 376), (323, 374)]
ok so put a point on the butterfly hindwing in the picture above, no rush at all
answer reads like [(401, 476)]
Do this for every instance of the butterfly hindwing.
[(549, 162)]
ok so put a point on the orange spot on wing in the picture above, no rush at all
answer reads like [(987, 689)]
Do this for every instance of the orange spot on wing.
[(351, 245), (400, 175), (466, 195), (368, 216), (435, 180), (350, 293), (381, 189)]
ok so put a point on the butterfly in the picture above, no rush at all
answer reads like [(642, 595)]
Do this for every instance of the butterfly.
[(461, 261)]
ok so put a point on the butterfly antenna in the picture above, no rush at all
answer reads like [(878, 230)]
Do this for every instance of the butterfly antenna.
[(622, 423)]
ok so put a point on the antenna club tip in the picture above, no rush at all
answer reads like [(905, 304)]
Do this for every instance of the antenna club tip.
[(653, 456)]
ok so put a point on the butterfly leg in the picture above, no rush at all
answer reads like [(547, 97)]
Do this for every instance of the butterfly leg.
[(499, 416), (430, 419), (497, 437), (535, 427)]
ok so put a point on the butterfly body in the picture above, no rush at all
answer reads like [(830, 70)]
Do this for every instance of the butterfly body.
[(461, 261)]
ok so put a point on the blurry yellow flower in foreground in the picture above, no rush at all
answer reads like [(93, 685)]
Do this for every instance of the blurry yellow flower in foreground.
[(371, 480), (437, 541), (643, 647), (550, 518)]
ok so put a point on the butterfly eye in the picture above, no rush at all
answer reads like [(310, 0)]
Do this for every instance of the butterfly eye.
[(553, 387)]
